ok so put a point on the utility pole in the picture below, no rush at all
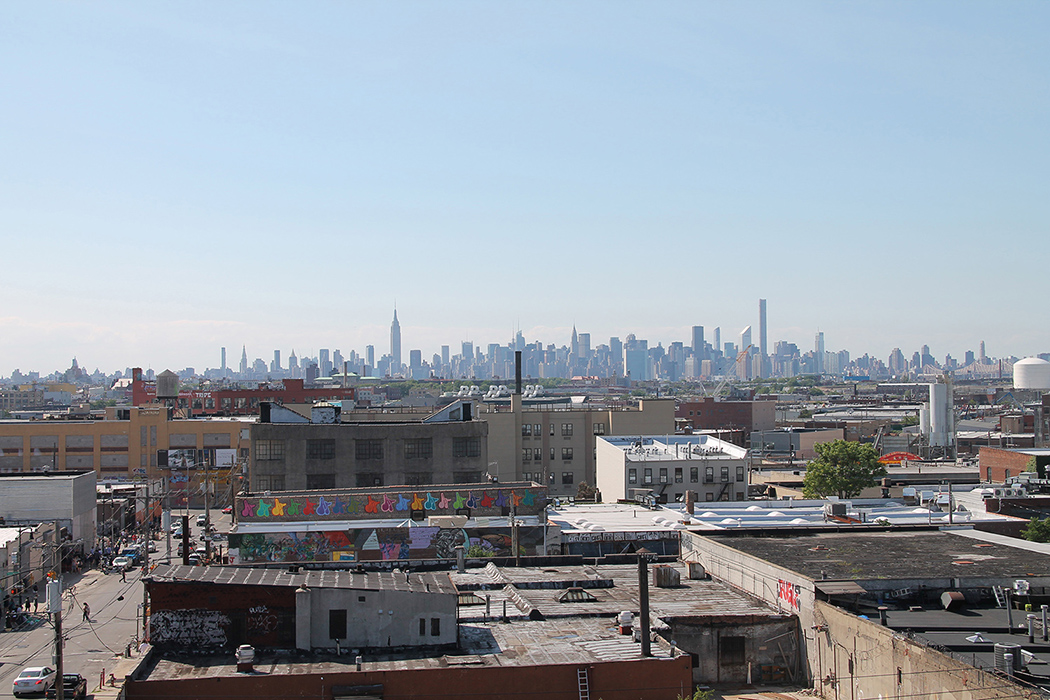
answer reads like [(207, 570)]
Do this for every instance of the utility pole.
[(207, 509), (54, 599)]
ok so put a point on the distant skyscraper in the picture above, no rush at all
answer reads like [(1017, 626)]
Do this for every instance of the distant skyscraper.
[(370, 355), (718, 338), (745, 339), (324, 364), (818, 350), (982, 356), (615, 357), (445, 355), (224, 362), (395, 344), (574, 348), (293, 365), (244, 361), (762, 348), (699, 347), (275, 367), (585, 346)]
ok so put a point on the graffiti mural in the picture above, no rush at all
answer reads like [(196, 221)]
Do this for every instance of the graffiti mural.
[(188, 628), (381, 544), (391, 504)]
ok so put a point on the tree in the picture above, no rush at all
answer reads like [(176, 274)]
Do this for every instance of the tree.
[(842, 469), (1038, 530)]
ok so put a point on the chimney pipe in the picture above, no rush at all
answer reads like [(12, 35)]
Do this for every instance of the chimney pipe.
[(517, 372), (643, 595)]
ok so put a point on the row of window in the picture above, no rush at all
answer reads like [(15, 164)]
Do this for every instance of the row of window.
[(415, 448), (529, 454), (679, 477), (536, 429), (337, 624), (276, 482), (567, 478)]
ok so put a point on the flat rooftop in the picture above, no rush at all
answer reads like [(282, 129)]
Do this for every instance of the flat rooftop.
[(436, 582), (893, 554), (572, 632)]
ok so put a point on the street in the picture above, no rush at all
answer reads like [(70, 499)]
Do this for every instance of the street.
[(115, 622)]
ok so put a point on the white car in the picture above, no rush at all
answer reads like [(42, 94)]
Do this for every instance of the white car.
[(36, 679), (124, 563)]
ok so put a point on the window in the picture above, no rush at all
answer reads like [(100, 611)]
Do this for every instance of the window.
[(419, 448), (710, 496), (368, 449), (566, 454), (552, 428), (632, 476), (270, 483), (466, 447), (731, 650), (648, 474), (566, 429), (269, 449), (419, 478), (988, 475), (526, 430), (599, 428), (694, 475), (435, 627), (537, 453), (709, 475), (725, 473), (566, 478), (320, 449), (537, 430), (320, 481), (739, 495), (422, 627), (678, 475), (724, 496), (526, 476), (367, 480), (337, 624), (526, 454), (739, 473), (663, 475), (466, 477), (552, 454)]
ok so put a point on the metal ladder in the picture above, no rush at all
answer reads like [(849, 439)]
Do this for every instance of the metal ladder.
[(585, 686), (1000, 596)]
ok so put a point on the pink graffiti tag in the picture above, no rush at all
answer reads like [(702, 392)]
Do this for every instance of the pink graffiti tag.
[(444, 502), (248, 510), (388, 505)]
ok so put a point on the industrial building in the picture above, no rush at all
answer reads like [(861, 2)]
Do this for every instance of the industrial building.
[(321, 450)]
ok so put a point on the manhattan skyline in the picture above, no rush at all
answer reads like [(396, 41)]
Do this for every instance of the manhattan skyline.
[(179, 178)]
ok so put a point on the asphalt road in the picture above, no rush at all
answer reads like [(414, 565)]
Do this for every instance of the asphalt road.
[(92, 646)]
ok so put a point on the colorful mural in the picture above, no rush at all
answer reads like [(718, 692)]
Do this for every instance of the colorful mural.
[(389, 504), (381, 544)]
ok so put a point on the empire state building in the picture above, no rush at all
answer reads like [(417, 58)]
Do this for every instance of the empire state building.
[(395, 346)]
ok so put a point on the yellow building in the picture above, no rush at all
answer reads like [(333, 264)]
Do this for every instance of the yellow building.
[(123, 446)]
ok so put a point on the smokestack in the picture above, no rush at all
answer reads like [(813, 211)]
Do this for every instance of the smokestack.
[(689, 507), (517, 372)]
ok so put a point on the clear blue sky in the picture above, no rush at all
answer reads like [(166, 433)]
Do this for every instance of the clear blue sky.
[(175, 177)]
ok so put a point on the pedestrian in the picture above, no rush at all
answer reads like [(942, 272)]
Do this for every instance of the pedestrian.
[(87, 613), (123, 575)]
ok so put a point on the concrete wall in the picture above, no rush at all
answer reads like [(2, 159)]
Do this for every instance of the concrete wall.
[(855, 658), (770, 648), (377, 619), (648, 679), (38, 498), (610, 468)]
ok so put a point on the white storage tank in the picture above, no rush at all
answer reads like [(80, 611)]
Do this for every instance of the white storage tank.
[(1032, 373)]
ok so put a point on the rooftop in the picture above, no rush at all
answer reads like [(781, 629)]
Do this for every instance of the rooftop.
[(892, 554), (241, 576), (647, 448)]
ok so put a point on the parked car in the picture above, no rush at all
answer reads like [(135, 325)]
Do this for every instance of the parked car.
[(195, 560), (74, 687), (201, 519), (35, 679), (134, 553), (227, 510), (122, 563)]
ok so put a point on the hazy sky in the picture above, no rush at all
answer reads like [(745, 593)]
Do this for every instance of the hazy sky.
[(175, 177)]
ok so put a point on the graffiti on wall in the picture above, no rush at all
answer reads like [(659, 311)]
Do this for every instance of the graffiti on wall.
[(789, 593), (386, 504), (189, 628), (381, 544), (261, 620)]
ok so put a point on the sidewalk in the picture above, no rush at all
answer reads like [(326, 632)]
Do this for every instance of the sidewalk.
[(122, 667)]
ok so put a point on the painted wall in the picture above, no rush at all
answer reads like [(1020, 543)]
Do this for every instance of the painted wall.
[(381, 544)]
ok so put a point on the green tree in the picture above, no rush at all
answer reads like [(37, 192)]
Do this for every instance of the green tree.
[(842, 469), (1038, 530)]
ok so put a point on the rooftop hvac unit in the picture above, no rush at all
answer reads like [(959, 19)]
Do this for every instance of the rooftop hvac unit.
[(1001, 650), (837, 509), (665, 576)]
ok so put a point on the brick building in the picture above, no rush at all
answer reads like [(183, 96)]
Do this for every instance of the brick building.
[(710, 414)]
